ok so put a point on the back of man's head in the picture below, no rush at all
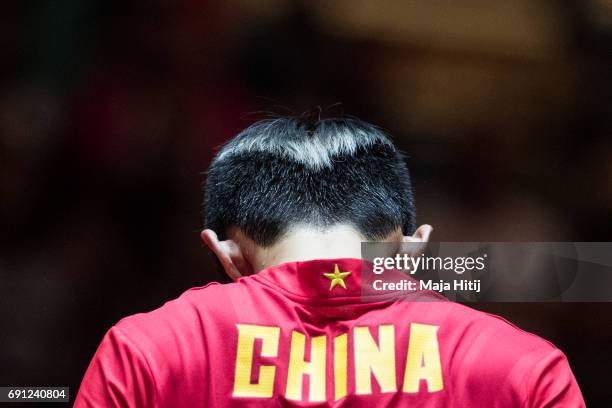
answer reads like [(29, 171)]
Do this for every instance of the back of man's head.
[(284, 172)]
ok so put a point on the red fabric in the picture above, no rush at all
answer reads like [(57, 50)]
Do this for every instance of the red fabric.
[(184, 353)]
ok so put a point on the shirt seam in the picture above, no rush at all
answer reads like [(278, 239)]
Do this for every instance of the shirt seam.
[(528, 382), (133, 345)]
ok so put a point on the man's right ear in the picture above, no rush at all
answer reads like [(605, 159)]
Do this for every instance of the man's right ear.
[(229, 253)]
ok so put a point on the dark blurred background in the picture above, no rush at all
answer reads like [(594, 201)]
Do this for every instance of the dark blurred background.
[(111, 110)]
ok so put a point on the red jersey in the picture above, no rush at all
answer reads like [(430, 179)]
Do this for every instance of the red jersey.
[(304, 333)]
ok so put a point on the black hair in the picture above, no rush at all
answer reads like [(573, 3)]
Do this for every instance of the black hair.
[(282, 172)]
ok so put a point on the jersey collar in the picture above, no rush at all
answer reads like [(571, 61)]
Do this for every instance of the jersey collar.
[(336, 279)]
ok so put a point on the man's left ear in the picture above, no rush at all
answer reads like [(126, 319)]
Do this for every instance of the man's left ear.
[(415, 245), (420, 235), (229, 253)]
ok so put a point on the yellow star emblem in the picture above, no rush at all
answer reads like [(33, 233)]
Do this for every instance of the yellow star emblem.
[(337, 277)]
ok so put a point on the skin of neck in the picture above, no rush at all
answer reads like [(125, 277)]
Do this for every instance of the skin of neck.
[(303, 243)]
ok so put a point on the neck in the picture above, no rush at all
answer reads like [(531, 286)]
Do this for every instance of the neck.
[(303, 244)]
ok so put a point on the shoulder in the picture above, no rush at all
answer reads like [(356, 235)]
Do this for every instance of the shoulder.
[(494, 331), (184, 319), (480, 343), (496, 355), (521, 366)]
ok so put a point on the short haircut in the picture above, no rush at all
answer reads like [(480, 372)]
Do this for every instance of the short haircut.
[(283, 172)]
